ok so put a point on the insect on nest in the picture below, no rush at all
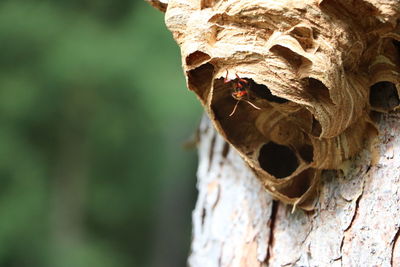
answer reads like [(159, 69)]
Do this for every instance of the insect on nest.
[(240, 91)]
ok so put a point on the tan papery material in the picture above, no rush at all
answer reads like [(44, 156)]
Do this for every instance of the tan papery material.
[(309, 67)]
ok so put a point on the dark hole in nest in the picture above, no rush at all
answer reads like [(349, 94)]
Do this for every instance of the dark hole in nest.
[(278, 160), (306, 152), (196, 57), (207, 3), (304, 36), (239, 127), (384, 96), (200, 80), (290, 57), (262, 91), (316, 128), (396, 44), (317, 89), (299, 184)]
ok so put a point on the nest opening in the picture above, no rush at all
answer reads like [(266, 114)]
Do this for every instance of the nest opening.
[(278, 160), (262, 91), (384, 96), (316, 128), (304, 35), (396, 44), (299, 184), (238, 126), (199, 80), (222, 102), (317, 90), (207, 3), (307, 153), (196, 58), (293, 59)]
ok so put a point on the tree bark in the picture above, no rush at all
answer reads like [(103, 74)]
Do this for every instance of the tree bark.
[(356, 222)]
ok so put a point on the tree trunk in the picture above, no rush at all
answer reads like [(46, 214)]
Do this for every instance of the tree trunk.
[(293, 89), (356, 222)]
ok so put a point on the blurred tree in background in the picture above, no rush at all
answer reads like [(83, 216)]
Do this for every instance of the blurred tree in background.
[(93, 114)]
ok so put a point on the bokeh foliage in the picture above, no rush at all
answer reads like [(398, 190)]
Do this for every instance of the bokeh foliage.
[(93, 113)]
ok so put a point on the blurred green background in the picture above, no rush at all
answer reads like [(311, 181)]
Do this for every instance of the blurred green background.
[(93, 115)]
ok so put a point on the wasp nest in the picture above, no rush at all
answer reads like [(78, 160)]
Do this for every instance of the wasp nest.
[(290, 84)]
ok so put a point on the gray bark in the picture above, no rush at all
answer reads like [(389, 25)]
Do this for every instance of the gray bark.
[(355, 223)]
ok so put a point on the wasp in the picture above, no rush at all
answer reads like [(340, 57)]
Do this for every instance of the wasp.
[(240, 91)]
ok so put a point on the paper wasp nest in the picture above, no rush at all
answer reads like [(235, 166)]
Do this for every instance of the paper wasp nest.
[(310, 73)]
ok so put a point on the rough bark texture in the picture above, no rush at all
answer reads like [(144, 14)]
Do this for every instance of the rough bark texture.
[(356, 222)]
